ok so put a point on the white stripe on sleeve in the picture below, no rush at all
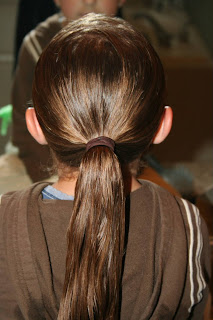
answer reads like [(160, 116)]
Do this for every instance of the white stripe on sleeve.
[(197, 244), (190, 253), (200, 279)]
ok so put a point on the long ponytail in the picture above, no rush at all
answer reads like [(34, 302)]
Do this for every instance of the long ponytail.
[(95, 240)]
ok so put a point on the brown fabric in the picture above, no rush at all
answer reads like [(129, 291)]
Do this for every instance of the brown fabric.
[(157, 277), (151, 175), (35, 157)]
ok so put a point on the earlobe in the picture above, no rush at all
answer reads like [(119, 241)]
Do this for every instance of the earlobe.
[(33, 126), (165, 126)]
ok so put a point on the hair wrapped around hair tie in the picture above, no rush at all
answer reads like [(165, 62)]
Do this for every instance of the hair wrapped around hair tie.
[(101, 141)]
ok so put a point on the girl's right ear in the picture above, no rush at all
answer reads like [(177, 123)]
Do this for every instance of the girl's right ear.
[(165, 126), (33, 126)]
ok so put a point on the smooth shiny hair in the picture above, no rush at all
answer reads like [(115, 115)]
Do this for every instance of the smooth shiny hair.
[(97, 77)]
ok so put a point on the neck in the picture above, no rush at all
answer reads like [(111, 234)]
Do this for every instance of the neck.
[(67, 185), (130, 182)]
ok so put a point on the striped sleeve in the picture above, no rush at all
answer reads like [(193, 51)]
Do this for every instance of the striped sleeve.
[(198, 250)]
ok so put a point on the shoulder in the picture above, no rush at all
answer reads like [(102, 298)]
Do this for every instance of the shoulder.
[(151, 191), (47, 29), (155, 198), (12, 200), (182, 241), (177, 220), (169, 206), (37, 39), (14, 208)]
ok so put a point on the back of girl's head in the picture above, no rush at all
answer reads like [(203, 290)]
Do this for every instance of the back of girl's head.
[(97, 77)]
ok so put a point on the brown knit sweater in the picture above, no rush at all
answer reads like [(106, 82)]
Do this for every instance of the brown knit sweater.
[(166, 269)]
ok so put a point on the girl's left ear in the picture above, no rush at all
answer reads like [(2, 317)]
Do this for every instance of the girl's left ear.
[(165, 126), (33, 126)]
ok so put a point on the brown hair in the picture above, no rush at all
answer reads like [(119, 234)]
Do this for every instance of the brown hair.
[(97, 77)]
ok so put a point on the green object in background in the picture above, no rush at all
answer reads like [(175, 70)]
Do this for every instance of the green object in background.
[(6, 116)]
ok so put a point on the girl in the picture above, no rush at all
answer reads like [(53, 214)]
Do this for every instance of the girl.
[(133, 250)]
